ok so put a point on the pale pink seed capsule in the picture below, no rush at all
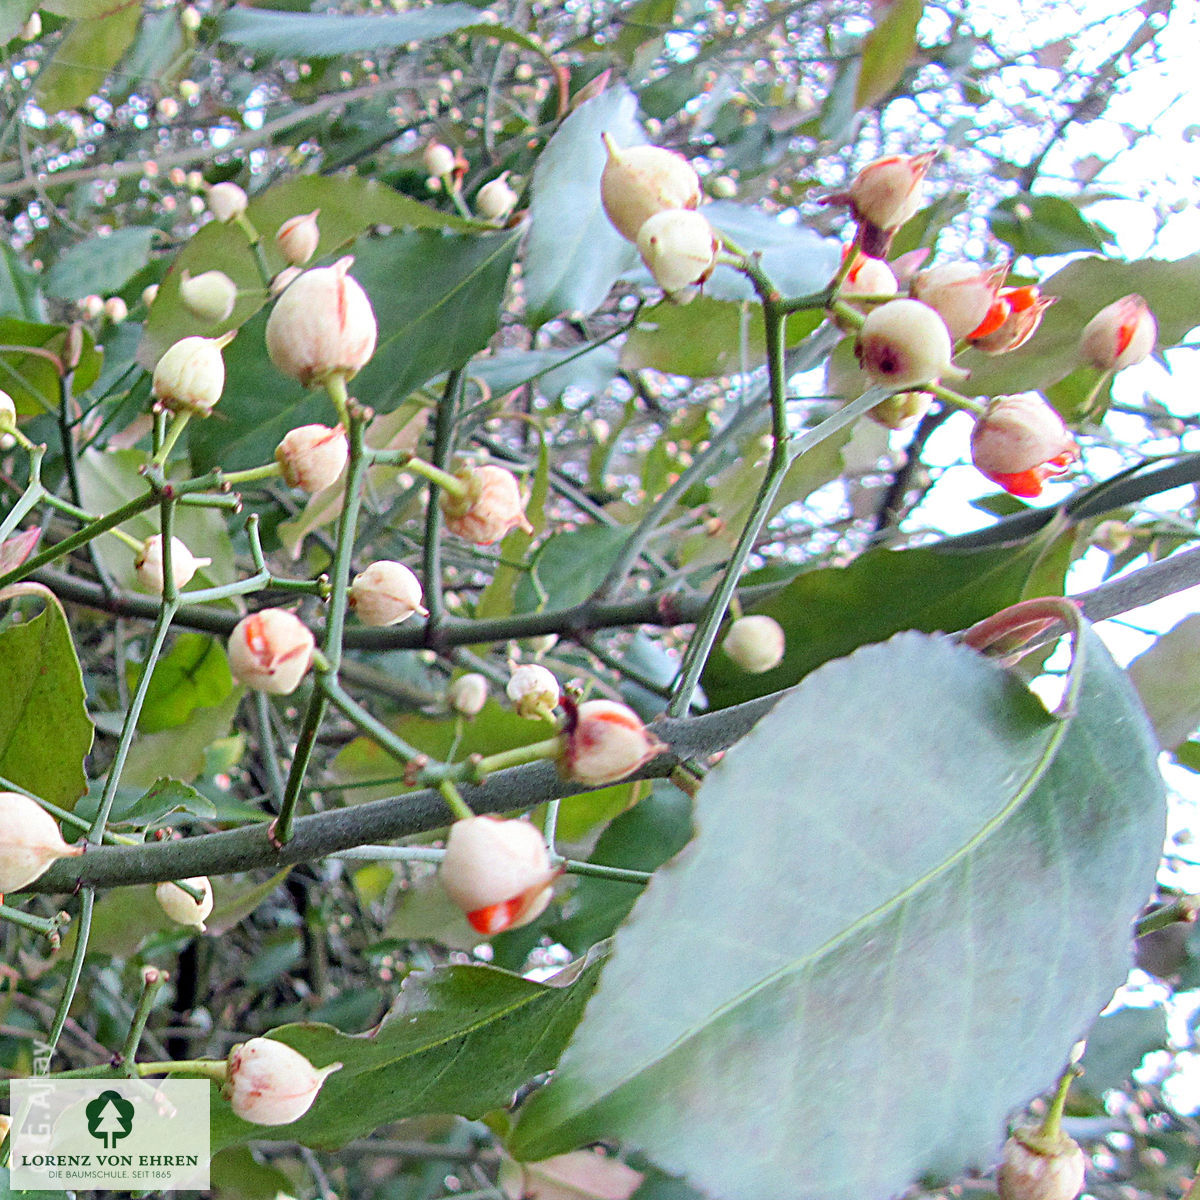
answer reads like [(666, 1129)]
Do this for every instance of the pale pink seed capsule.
[(298, 238), (190, 376), (679, 248), (209, 296), (902, 343), (148, 564), (497, 872), (226, 201), (1020, 441), (491, 508), (321, 326), (608, 742), (756, 643), (961, 293), (533, 690), (495, 200), (639, 181), (468, 694), (270, 651), (439, 159), (386, 593), (313, 457), (887, 192), (182, 908), (269, 1083), (29, 841)]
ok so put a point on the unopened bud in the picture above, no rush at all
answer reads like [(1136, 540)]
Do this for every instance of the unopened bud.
[(91, 307), (8, 413), (313, 456), (298, 238), (497, 872), (608, 742), (29, 841), (321, 326), (183, 908), (491, 507), (756, 643), (32, 28), (495, 200), (468, 694), (269, 1083), (149, 294), (679, 248), (1033, 1170), (189, 18), (887, 192), (270, 651), (386, 593), (149, 564), (534, 691), (1019, 442), (639, 181), (961, 293), (284, 279), (1119, 335), (226, 201), (901, 410), (115, 309), (439, 160), (209, 296), (190, 376), (902, 343), (868, 277)]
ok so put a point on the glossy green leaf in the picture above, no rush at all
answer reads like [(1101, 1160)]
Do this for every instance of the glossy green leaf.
[(193, 674), (45, 733), (459, 1039), (706, 337), (1167, 677), (1083, 288), (842, 957), (20, 295), (323, 35), (423, 331), (830, 611), (1036, 225), (887, 50), (32, 380), (568, 567), (348, 204), (574, 255), (89, 50)]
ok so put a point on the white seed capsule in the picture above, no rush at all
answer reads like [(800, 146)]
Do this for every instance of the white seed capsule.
[(386, 593), (609, 742), (190, 376), (29, 841), (313, 456), (534, 691), (209, 296), (298, 238), (679, 247), (148, 564), (639, 181), (270, 651), (185, 909), (468, 694), (269, 1083), (756, 643), (226, 201)]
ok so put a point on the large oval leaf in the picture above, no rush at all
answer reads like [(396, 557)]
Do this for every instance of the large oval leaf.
[(910, 892)]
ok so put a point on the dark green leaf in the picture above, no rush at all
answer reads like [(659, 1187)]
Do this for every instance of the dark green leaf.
[(193, 674), (45, 733), (102, 265), (32, 380), (827, 612), (322, 35), (87, 53), (1116, 1045), (459, 1039), (887, 51), (574, 254), (568, 567), (236, 1174), (842, 958), (349, 205), (1036, 225)]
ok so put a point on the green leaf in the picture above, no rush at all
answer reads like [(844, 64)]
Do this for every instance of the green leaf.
[(568, 567), (323, 35), (1167, 677), (459, 1039), (13, 15), (166, 796), (1037, 225), (349, 205), (157, 58), (193, 674), (45, 733), (101, 264), (706, 337), (31, 379), (887, 50), (183, 747), (89, 50), (574, 254), (1117, 1044), (830, 611), (19, 292), (7, 1193), (1083, 288), (909, 893)]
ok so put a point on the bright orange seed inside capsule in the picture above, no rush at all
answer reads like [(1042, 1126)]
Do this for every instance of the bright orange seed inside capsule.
[(495, 918), (256, 639)]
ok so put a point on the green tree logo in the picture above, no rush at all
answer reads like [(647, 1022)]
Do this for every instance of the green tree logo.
[(109, 1117)]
